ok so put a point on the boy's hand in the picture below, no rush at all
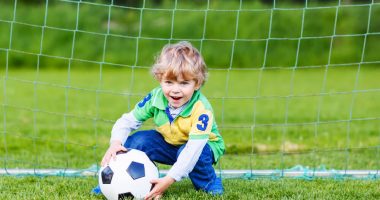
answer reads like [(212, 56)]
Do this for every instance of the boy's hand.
[(160, 185), (111, 152)]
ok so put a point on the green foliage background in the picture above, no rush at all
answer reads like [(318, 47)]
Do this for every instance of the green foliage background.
[(223, 33)]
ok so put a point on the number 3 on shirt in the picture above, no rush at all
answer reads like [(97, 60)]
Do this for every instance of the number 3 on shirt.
[(146, 99), (204, 122)]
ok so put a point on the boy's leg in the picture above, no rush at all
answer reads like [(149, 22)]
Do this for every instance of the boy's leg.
[(203, 175), (153, 144)]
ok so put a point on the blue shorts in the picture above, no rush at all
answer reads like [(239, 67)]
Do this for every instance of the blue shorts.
[(153, 144)]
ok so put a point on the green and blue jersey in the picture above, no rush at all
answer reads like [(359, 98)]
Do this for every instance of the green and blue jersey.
[(195, 122)]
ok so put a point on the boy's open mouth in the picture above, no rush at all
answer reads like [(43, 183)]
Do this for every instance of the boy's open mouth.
[(176, 98)]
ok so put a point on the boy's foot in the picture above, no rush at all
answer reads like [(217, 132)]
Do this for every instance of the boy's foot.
[(96, 190), (216, 188)]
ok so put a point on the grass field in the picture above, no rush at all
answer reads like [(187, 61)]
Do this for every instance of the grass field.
[(51, 117), (78, 188)]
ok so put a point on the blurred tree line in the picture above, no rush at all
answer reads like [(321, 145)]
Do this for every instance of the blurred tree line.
[(129, 36), (138, 3)]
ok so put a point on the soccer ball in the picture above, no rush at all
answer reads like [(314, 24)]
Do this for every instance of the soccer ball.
[(128, 176)]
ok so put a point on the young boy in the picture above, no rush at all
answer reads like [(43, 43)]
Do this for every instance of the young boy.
[(186, 135)]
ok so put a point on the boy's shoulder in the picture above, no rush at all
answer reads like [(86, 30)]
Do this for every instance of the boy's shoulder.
[(156, 98), (156, 91), (203, 99)]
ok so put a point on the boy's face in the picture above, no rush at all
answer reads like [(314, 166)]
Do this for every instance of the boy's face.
[(179, 91)]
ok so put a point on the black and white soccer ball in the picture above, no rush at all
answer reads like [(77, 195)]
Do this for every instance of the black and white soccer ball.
[(128, 176)]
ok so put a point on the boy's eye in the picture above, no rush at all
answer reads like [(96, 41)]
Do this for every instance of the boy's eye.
[(184, 83), (168, 82)]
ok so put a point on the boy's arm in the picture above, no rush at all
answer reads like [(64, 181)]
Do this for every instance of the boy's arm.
[(123, 127), (132, 120), (120, 132), (187, 159)]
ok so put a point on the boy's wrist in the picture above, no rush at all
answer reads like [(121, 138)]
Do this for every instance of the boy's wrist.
[(170, 179), (173, 176)]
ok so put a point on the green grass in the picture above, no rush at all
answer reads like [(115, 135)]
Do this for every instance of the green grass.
[(56, 119), (78, 188)]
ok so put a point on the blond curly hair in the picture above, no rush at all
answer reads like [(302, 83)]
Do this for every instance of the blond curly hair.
[(180, 60)]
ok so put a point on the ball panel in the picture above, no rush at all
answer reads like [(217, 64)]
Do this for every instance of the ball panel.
[(125, 196), (136, 170), (107, 175)]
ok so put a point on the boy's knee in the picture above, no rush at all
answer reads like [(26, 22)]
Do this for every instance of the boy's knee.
[(135, 141)]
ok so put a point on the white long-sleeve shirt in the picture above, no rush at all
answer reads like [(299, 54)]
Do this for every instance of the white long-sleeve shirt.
[(186, 159)]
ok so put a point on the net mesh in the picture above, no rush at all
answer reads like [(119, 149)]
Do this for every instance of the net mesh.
[(294, 86)]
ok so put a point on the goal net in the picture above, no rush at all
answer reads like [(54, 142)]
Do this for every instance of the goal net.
[(294, 84)]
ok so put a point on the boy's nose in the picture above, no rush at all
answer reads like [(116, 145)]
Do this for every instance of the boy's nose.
[(175, 88)]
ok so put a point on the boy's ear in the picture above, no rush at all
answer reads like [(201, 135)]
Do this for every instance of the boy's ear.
[(198, 86)]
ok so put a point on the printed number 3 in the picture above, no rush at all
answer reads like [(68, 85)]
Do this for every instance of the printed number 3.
[(204, 120), (143, 102)]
